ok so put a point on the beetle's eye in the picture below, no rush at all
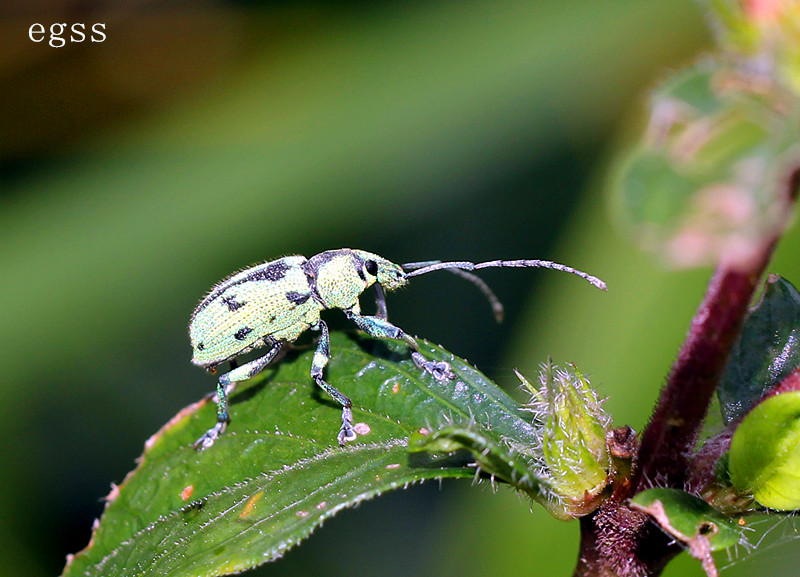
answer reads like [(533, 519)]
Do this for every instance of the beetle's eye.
[(372, 267)]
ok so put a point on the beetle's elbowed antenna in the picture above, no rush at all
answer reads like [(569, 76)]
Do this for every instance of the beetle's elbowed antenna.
[(460, 268), (494, 302), (424, 266)]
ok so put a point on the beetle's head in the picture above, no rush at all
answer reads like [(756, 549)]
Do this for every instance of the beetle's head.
[(387, 274)]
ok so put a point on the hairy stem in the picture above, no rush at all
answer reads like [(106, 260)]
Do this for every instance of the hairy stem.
[(617, 541), (670, 436)]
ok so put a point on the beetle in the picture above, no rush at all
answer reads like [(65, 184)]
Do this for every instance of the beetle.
[(271, 304)]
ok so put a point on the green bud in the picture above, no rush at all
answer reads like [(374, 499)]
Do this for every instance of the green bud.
[(574, 431), (764, 457)]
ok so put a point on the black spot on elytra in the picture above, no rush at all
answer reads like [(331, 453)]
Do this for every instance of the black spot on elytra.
[(297, 298), (273, 272), (242, 333), (201, 346), (232, 303)]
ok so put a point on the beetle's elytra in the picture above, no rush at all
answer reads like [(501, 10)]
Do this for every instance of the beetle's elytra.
[(271, 304)]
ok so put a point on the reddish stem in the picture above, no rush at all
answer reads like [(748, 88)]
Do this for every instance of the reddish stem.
[(670, 436), (615, 541)]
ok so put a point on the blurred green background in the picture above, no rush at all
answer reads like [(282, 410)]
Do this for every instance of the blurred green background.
[(202, 137)]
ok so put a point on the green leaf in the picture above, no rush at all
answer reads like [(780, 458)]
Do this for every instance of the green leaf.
[(495, 459), (565, 467), (767, 351), (277, 473), (686, 517), (764, 458), (690, 520)]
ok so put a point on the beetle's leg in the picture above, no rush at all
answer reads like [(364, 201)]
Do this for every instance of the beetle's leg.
[(380, 301), (440, 370), (233, 364), (383, 329), (321, 357), (225, 386)]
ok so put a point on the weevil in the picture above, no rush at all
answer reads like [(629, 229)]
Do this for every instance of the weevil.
[(271, 304)]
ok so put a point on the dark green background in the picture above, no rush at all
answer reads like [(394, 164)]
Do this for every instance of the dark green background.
[(136, 172)]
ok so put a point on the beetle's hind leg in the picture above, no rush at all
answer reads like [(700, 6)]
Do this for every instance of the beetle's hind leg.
[(225, 386), (321, 357)]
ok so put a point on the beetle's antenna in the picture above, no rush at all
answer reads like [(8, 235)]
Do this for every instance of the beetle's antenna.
[(426, 267), (421, 264), (494, 302)]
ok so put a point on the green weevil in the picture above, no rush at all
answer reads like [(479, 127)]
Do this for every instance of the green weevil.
[(271, 304)]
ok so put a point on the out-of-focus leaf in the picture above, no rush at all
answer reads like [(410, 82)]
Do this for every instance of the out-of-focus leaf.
[(277, 473), (762, 32), (767, 351), (709, 182), (764, 458)]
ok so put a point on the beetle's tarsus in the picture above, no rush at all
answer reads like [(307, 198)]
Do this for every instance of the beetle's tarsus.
[(440, 370), (210, 436), (347, 432)]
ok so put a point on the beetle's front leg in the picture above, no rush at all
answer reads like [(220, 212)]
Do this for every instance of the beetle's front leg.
[(440, 370), (321, 357), (225, 386), (381, 328)]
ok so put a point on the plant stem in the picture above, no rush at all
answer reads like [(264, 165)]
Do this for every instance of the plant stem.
[(617, 541), (671, 434), (669, 439)]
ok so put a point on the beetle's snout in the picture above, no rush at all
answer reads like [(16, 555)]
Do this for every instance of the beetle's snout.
[(391, 277)]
